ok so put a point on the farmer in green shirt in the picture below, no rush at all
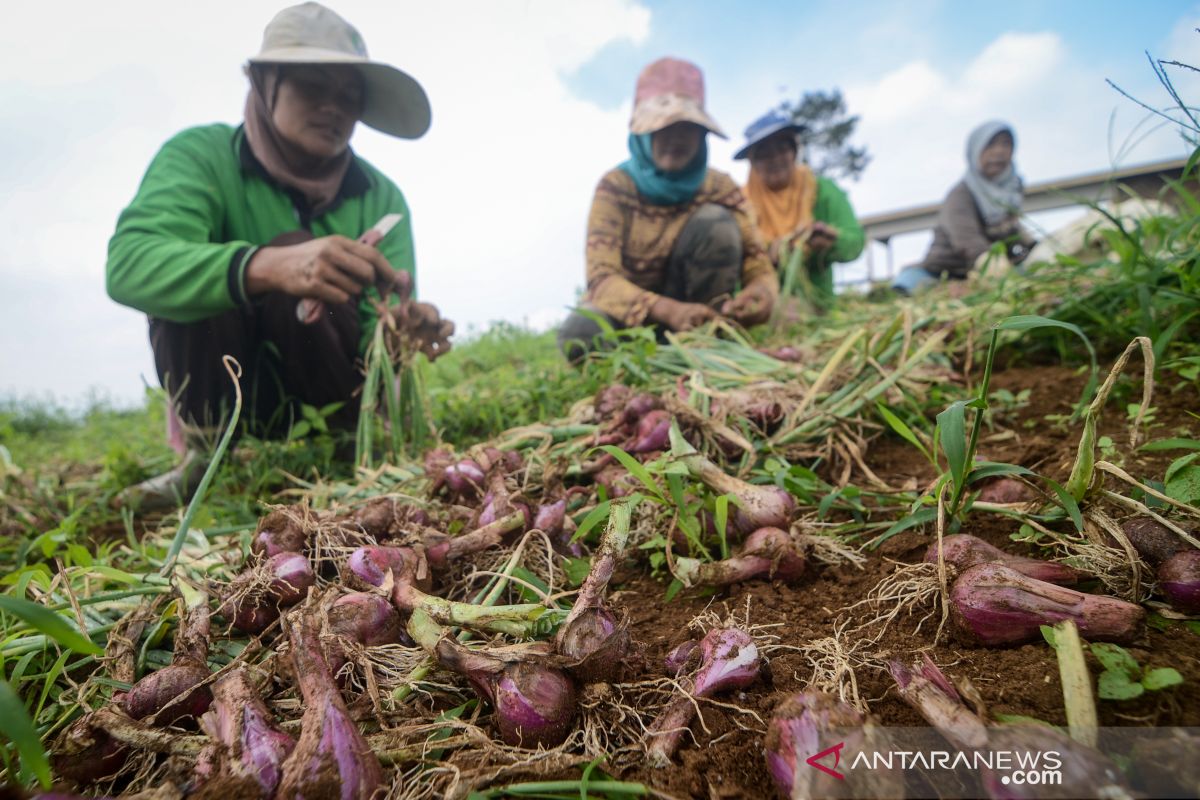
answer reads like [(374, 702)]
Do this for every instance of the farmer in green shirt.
[(243, 241), (797, 211)]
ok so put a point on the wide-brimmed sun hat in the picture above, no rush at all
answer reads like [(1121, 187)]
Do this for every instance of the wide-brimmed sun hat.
[(394, 103), (766, 126), (668, 91)]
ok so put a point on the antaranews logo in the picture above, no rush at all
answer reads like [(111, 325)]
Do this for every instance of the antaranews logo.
[(1017, 767), (836, 751)]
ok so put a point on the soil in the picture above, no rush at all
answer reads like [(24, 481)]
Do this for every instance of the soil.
[(725, 761)]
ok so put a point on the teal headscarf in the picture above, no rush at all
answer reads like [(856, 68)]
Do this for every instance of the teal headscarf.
[(664, 188)]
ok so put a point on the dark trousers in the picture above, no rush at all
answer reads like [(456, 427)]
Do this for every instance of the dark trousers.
[(285, 363), (705, 266)]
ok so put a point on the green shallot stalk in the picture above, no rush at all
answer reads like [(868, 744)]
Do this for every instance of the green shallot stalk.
[(596, 642), (235, 373), (1076, 684), (1083, 470)]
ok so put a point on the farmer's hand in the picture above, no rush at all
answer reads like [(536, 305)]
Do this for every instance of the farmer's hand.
[(822, 237), (752, 305), (331, 268), (423, 323), (676, 315)]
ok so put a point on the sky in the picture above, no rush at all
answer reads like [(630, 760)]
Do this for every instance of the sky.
[(531, 101)]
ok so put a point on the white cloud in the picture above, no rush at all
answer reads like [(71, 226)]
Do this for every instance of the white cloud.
[(915, 120), (1014, 62)]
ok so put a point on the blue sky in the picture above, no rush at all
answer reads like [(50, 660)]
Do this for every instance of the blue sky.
[(804, 45), (530, 106)]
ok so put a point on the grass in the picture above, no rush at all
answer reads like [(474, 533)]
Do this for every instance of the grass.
[(62, 542)]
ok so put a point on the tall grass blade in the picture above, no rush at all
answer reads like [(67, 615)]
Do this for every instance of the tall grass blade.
[(18, 728)]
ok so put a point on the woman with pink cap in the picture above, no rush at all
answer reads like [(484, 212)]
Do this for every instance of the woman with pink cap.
[(272, 241), (670, 242)]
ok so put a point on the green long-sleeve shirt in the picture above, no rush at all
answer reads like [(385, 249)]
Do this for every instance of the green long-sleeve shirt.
[(205, 205), (833, 207)]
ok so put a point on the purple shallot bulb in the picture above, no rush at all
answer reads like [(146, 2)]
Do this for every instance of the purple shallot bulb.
[(370, 565), (992, 605), (1179, 581), (681, 657), (728, 660), (331, 758), (251, 750), (652, 433), (961, 550)]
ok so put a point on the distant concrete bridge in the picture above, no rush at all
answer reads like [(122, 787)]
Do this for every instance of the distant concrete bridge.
[(1147, 180)]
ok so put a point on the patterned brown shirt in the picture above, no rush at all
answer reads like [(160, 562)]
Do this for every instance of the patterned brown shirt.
[(629, 242)]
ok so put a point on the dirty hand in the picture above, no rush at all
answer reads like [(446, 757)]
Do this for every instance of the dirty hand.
[(331, 268), (423, 323), (676, 315), (822, 237), (752, 305)]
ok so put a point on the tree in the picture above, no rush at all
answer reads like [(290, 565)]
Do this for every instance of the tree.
[(827, 132)]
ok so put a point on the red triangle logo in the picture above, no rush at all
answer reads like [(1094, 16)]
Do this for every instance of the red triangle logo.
[(837, 757)]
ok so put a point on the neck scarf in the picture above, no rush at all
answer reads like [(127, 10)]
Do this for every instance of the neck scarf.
[(781, 213), (663, 188), (997, 198), (319, 185)]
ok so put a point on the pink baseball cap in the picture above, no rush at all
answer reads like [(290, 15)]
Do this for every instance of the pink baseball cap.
[(668, 91)]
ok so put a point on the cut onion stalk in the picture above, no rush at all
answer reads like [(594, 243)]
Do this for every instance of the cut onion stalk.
[(177, 693), (256, 596), (961, 550), (768, 552), (591, 637), (440, 550), (1179, 581), (331, 759), (406, 566), (924, 687), (534, 704), (992, 605), (516, 620), (250, 749), (758, 506), (728, 660)]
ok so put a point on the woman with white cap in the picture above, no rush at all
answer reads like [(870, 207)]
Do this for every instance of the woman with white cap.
[(981, 210), (245, 240), (670, 242), (796, 208)]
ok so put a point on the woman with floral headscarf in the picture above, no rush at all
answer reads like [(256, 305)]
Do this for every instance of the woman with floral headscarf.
[(982, 209), (670, 242)]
